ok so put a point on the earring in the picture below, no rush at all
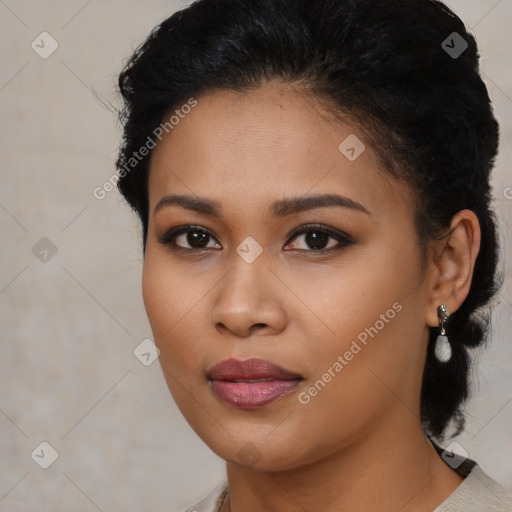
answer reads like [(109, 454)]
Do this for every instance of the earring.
[(442, 349)]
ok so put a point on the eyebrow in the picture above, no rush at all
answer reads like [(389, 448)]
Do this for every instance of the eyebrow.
[(279, 208)]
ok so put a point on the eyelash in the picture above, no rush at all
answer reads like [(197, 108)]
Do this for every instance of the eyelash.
[(343, 239)]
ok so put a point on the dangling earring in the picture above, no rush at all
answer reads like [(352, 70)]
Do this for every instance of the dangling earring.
[(442, 349)]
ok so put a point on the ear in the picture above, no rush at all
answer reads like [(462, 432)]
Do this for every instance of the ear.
[(451, 269)]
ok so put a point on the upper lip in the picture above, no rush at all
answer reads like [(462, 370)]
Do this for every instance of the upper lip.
[(250, 369)]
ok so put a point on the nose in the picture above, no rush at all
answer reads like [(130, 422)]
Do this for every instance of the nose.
[(249, 301)]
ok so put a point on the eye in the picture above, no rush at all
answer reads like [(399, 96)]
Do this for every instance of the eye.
[(316, 237), (194, 236)]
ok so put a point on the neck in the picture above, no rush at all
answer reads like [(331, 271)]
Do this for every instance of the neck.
[(393, 469)]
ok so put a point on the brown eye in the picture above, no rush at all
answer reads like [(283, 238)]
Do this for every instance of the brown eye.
[(316, 239), (194, 237)]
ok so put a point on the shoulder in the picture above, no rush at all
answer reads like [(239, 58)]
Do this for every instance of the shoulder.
[(478, 493), (213, 501)]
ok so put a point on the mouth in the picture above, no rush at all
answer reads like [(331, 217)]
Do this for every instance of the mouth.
[(251, 383)]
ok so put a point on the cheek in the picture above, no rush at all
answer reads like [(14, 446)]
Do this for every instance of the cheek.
[(175, 306), (156, 300), (359, 294), (168, 293), (372, 309), (173, 310), (164, 299)]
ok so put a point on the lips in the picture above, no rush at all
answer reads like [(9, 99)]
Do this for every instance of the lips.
[(251, 383)]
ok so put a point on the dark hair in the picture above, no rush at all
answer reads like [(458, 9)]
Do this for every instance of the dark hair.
[(388, 65)]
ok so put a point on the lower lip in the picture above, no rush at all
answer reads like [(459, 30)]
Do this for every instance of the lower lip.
[(249, 395)]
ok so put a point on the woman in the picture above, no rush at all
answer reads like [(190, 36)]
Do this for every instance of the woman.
[(312, 179)]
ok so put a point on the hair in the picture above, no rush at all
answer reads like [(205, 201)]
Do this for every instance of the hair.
[(383, 64)]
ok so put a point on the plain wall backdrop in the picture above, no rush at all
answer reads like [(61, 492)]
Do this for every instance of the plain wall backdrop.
[(71, 310)]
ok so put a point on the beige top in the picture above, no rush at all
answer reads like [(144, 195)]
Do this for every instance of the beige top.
[(477, 493)]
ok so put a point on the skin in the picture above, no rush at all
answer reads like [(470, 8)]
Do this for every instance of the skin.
[(358, 444)]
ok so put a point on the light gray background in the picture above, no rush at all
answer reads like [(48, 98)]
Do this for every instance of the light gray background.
[(68, 374)]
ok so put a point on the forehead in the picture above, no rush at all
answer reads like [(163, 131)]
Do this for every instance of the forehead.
[(271, 142)]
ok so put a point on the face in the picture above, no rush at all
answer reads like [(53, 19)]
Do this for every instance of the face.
[(329, 290)]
